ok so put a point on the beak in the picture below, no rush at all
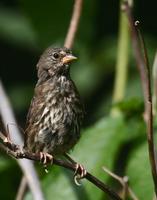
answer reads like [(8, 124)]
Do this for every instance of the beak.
[(68, 58)]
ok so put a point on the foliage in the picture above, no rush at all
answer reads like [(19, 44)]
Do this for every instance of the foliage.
[(141, 177), (106, 140), (118, 142)]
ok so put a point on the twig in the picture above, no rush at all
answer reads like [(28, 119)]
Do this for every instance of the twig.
[(7, 114), (26, 165), (124, 182), (22, 189), (69, 40), (7, 118), (18, 153), (132, 194), (144, 70), (155, 85)]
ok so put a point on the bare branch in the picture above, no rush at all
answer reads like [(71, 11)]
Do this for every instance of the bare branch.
[(8, 117), (124, 182), (155, 85), (19, 153), (26, 165), (69, 40), (22, 189), (143, 67)]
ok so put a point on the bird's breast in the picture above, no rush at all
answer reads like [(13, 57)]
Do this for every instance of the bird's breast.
[(63, 102)]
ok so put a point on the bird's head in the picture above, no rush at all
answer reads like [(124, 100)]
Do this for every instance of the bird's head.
[(54, 61)]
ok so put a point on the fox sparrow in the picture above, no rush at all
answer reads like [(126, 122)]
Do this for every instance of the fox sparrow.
[(56, 112)]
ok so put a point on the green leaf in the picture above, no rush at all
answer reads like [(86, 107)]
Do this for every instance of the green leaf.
[(97, 147), (139, 173)]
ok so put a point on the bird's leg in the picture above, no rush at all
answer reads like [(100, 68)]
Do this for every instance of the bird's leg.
[(80, 171), (46, 158)]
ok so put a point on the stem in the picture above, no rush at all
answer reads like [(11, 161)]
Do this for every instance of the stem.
[(26, 166), (22, 189), (155, 85), (143, 67), (18, 153), (69, 40), (122, 62)]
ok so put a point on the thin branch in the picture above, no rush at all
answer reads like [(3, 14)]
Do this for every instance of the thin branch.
[(15, 151), (132, 194), (143, 47), (18, 153), (155, 85), (124, 182), (26, 165), (69, 40), (7, 114), (144, 71), (22, 189)]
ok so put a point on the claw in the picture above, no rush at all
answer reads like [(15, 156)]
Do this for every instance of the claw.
[(77, 180), (46, 158), (6, 140), (80, 172)]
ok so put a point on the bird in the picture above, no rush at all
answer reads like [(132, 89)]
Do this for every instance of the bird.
[(56, 112)]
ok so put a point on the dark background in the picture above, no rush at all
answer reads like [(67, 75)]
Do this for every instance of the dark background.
[(25, 32), (27, 27)]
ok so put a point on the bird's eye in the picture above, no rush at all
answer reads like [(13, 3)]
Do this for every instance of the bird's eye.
[(56, 55)]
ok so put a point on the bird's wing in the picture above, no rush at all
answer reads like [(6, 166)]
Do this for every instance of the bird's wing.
[(36, 108)]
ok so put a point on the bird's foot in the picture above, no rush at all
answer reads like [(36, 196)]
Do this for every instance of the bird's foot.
[(46, 158), (80, 173)]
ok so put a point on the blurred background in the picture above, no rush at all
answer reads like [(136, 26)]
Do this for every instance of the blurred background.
[(28, 27)]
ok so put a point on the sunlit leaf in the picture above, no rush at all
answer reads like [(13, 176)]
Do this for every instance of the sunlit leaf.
[(139, 173)]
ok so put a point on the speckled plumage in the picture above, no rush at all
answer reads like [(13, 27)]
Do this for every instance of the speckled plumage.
[(56, 112)]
